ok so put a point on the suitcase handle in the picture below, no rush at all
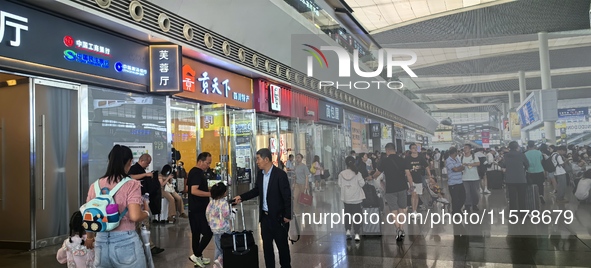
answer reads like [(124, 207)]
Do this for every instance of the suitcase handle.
[(245, 243)]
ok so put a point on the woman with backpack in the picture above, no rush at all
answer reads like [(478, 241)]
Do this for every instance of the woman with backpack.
[(120, 247)]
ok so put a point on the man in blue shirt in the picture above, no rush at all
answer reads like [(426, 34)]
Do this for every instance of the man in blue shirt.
[(454, 182), (535, 172)]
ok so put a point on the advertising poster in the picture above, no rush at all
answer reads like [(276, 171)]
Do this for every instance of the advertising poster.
[(514, 125), (358, 136), (442, 136), (137, 149)]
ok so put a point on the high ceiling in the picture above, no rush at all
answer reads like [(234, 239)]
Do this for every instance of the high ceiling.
[(381, 15), (469, 52)]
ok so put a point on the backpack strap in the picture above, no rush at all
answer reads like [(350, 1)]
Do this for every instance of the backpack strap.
[(115, 189)]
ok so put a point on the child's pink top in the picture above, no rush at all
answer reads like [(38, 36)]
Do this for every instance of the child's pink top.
[(129, 193), (75, 254)]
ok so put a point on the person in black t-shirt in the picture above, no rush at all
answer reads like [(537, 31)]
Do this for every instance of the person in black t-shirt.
[(198, 200), (416, 168), (150, 185), (396, 184)]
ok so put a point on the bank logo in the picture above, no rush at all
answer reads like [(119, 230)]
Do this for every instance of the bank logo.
[(316, 54)]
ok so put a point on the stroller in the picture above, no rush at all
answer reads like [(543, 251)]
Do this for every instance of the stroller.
[(434, 196)]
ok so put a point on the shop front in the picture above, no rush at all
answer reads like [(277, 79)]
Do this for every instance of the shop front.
[(333, 138), (399, 135), (214, 113), (380, 134), (58, 103), (287, 122)]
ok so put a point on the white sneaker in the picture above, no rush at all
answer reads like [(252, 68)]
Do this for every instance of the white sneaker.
[(197, 261), (486, 191), (217, 264), (206, 261), (357, 238), (443, 200), (481, 192), (348, 234)]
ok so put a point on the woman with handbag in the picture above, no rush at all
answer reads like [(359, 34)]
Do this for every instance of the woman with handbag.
[(301, 183), (351, 183)]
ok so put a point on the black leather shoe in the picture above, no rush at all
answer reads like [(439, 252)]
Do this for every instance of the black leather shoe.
[(156, 250)]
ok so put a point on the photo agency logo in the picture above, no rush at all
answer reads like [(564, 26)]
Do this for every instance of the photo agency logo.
[(385, 56)]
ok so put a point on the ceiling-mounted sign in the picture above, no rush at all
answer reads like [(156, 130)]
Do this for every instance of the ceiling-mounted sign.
[(38, 37), (200, 81), (275, 98), (375, 130), (165, 68), (329, 112)]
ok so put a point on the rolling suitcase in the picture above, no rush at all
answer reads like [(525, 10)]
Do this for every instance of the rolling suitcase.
[(495, 179), (367, 228), (532, 198), (239, 248)]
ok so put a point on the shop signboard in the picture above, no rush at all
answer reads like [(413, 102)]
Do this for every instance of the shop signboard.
[(375, 130), (329, 112), (409, 136), (573, 114), (30, 35), (207, 83), (275, 98), (165, 68)]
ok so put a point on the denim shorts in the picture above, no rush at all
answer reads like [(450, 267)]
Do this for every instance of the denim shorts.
[(122, 249)]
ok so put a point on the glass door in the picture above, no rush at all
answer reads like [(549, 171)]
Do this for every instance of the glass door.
[(184, 126), (242, 151), (56, 159), (214, 134)]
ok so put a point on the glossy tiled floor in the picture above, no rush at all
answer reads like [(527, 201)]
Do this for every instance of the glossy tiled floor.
[(481, 245)]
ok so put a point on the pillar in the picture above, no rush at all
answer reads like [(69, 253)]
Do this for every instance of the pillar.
[(549, 127), (522, 93), (511, 101)]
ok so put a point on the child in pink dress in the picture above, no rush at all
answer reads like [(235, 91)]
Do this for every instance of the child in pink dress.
[(73, 252), (218, 215)]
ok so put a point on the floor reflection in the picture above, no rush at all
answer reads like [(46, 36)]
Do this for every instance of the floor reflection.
[(490, 244)]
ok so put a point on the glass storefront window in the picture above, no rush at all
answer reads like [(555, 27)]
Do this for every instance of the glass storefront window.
[(277, 134), (135, 120), (184, 123)]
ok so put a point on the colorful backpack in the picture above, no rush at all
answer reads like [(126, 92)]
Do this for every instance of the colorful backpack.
[(101, 214)]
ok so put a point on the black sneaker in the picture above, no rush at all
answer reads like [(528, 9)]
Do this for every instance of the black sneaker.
[(399, 235)]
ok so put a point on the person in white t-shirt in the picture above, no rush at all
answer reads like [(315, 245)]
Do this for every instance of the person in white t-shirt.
[(436, 163), (560, 173), (471, 179)]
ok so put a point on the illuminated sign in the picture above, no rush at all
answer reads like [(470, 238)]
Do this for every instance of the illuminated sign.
[(18, 27), (72, 55), (329, 112), (204, 82), (165, 68), (120, 67), (275, 98)]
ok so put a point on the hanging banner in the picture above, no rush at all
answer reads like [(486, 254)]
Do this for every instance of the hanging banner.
[(358, 135)]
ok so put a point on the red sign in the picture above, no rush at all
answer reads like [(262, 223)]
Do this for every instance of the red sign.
[(293, 104), (188, 78)]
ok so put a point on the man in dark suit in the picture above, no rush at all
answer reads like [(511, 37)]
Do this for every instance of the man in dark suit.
[(272, 188)]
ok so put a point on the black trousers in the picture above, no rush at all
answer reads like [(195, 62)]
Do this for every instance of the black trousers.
[(516, 195), (275, 230), (199, 228), (458, 197), (538, 179), (353, 209)]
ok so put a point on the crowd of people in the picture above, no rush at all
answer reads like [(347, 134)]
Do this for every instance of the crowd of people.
[(113, 239)]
